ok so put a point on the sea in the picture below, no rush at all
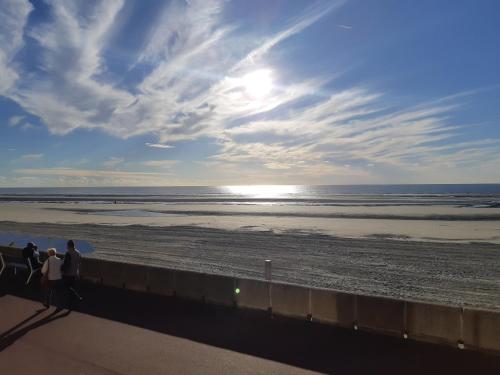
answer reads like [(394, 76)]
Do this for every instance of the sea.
[(473, 195)]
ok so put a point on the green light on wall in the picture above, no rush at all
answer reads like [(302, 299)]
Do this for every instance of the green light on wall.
[(237, 290)]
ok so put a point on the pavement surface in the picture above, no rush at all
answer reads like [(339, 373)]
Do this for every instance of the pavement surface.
[(114, 331)]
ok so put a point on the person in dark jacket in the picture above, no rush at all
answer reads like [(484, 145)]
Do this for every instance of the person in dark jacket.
[(31, 252), (71, 272)]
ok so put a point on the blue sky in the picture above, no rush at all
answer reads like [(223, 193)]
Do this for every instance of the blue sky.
[(207, 92)]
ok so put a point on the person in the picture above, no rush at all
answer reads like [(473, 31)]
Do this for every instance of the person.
[(71, 272), (51, 270), (31, 252)]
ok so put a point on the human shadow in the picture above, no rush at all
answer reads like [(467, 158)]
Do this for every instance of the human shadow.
[(20, 324), (12, 335)]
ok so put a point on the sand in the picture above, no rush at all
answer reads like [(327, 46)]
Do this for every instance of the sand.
[(446, 254), (421, 223), (455, 273)]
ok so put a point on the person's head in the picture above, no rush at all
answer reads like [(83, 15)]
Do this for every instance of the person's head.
[(30, 245), (70, 245), (51, 252)]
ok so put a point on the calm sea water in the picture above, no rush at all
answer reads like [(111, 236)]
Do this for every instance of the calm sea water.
[(488, 194)]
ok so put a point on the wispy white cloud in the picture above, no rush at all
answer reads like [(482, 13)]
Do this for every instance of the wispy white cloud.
[(15, 120), (159, 163), (88, 177), (31, 156), (21, 123), (69, 94), (13, 17), (337, 129), (184, 96), (180, 29), (158, 145), (70, 172), (345, 27)]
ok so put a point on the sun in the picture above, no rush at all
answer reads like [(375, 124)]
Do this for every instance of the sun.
[(258, 84)]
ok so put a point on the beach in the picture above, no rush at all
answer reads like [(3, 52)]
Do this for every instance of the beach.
[(412, 222), (421, 244), (458, 271)]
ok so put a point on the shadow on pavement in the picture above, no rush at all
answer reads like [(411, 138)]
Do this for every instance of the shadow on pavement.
[(32, 316), (298, 343), (12, 335)]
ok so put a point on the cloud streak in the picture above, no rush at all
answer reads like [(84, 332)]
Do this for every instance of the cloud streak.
[(89, 177), (70, 172), (158, 145), (159, 163), (13, 18), (31, 157)]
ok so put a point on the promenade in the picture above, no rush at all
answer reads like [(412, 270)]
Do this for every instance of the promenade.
[(116, 331)]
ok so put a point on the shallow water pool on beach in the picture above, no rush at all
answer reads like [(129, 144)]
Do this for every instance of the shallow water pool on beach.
[(131, 213), (21, 239)]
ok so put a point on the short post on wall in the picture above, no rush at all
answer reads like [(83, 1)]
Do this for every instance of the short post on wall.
[(405, 321), (355, 323), (460, 343), (309, 308), (268, 271)]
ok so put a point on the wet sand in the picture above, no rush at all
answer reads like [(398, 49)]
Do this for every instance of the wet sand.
[(420, 223), (453, 273)]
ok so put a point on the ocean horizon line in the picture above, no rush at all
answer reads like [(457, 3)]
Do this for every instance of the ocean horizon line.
[(258, 184)]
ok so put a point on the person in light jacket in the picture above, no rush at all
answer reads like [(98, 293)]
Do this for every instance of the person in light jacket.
[(51, 269)]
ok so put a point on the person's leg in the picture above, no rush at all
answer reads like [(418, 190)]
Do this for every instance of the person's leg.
[(49, 292), (74, 288), (67, 287), (56, 293), (44, 294), (61, 291), (72, 294)]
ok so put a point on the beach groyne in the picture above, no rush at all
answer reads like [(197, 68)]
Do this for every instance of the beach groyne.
[(458, 326)]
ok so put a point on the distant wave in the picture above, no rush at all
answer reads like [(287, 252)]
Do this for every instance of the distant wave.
[(361, 201)]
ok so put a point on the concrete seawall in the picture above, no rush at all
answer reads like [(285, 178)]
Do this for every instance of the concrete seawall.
[(450, 325)]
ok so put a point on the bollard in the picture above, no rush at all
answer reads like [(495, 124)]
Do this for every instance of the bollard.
[(268, 269)]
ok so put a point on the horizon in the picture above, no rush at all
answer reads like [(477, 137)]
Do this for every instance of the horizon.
[(226, 93), (237, 185)]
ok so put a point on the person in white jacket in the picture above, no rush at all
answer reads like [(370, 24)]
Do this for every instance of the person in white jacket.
[(51, 270)]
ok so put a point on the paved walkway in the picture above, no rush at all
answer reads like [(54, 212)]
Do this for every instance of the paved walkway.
[(121, 332)]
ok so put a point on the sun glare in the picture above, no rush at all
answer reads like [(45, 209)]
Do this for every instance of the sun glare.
[(258, 83), (263, 191)]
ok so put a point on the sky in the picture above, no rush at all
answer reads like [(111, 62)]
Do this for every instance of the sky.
[(218, 92)]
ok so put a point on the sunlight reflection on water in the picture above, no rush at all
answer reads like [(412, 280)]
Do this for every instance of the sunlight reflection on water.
[(264, 191)]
